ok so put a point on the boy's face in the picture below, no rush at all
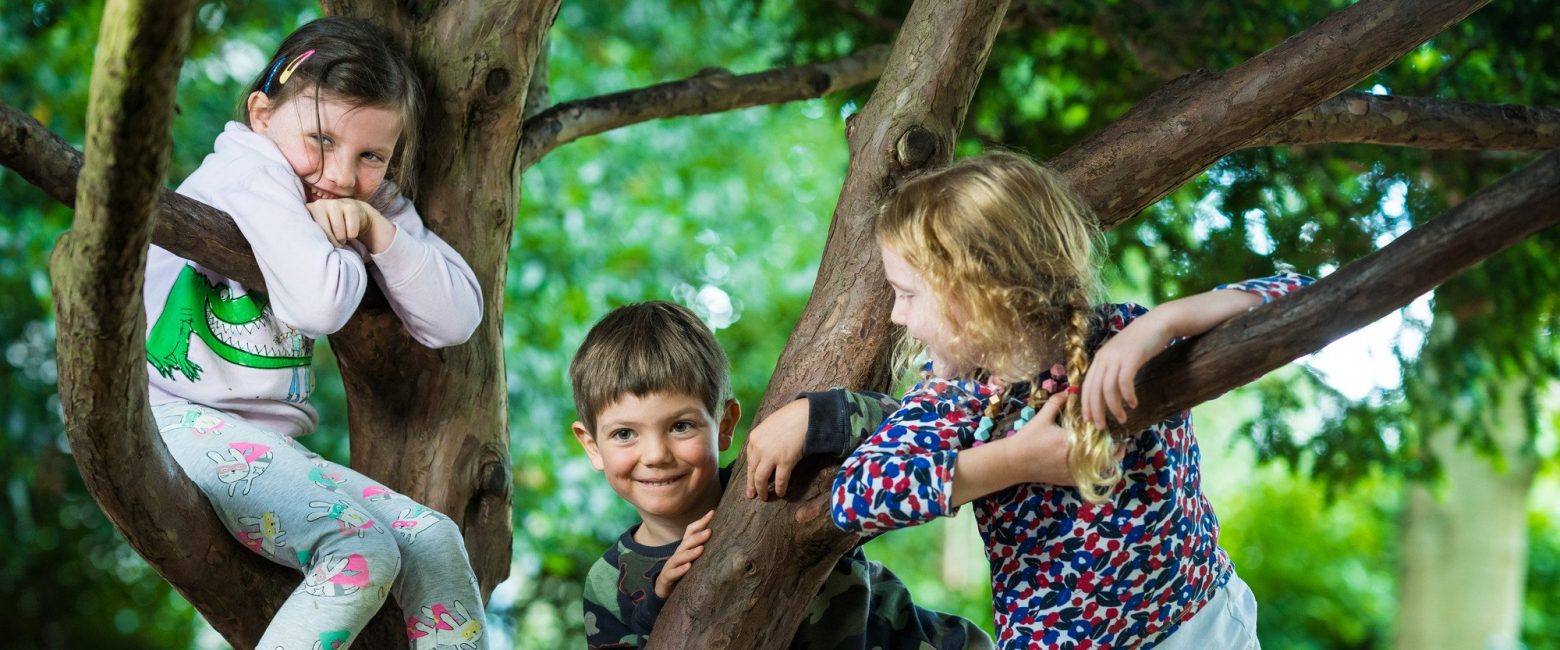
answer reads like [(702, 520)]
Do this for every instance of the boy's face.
[(660, 452)]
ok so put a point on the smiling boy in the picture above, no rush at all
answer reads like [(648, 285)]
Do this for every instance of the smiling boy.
[(653, 393)]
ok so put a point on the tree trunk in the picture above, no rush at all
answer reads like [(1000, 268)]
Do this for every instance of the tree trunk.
[(434, 424), (1464, 561), (772, 556)]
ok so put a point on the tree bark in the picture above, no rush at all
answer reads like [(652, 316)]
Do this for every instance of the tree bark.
[(772, 556), (434, 424), (1419, 122), (97, 269)]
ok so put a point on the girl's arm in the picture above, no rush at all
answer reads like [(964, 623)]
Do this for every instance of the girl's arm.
[(903, 474), (311, 285), (1037, 453), (429, 286), (1109, 385)]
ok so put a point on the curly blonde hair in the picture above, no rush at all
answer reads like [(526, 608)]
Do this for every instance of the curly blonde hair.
[(1009, 251)]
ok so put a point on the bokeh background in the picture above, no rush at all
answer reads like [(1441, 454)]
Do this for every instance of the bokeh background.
[(1327, 475)]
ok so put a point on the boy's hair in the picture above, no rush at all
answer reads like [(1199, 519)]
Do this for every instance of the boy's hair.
[(645, 348), (1009, 251), (355, 61)]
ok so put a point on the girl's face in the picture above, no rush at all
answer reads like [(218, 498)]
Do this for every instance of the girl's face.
[(918, 309), (338, 150)]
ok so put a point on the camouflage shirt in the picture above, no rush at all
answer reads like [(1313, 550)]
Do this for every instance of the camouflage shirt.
[(861, 604)]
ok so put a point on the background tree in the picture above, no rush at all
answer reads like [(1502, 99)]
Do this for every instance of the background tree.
[(1068, 39)]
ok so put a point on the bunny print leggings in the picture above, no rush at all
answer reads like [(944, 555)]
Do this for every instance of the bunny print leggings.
[(354, 540)]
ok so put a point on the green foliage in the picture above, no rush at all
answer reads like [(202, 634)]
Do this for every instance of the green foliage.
[(1334, 590), (1541, 611)]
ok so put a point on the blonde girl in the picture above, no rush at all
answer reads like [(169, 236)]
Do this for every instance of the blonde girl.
[(1093, 540)]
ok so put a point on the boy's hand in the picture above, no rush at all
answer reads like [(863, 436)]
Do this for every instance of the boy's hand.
[(1108, 386), (690, 549), (344, 220), (1046, 443), (773, 449)]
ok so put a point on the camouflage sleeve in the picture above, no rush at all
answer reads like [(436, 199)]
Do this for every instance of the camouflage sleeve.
[(608, 612), (864, 605), (838, 420)]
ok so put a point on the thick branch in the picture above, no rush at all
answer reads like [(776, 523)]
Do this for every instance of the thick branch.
[(1251, 345), (1179, 130), (711, 91), (184, 226), (911, 123), (1419, 122), (97, 270)]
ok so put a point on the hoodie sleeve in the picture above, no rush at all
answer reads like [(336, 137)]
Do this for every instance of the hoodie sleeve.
[(429, 285), (311, 284)]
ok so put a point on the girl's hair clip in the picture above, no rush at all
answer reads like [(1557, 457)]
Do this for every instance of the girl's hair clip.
[(1073, 390), (286, 73)]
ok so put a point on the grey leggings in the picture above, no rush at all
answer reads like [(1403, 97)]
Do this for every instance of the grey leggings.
[(354, 540)]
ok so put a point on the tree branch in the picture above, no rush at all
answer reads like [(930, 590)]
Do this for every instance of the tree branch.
[(711, 91), (184, 226), (1419, 122), (1182, 128), (1249, 346), (97, 271)]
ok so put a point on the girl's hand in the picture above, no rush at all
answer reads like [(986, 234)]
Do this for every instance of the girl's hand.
[(344, 220), (1109, 385), (1046, 443), (690, 549), (773, 449)]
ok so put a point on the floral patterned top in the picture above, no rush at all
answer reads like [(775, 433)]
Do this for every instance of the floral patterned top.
[(1064, 574)]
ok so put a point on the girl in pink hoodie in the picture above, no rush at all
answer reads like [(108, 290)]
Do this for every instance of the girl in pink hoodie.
[(315, 178)]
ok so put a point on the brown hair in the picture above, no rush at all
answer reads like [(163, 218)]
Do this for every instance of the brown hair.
[(353, 61), (1009, 251), (645, 348)]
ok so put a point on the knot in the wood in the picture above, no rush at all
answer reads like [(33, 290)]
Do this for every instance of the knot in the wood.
[(493, 477), (497, 81), (915, 148), (745, 565)]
